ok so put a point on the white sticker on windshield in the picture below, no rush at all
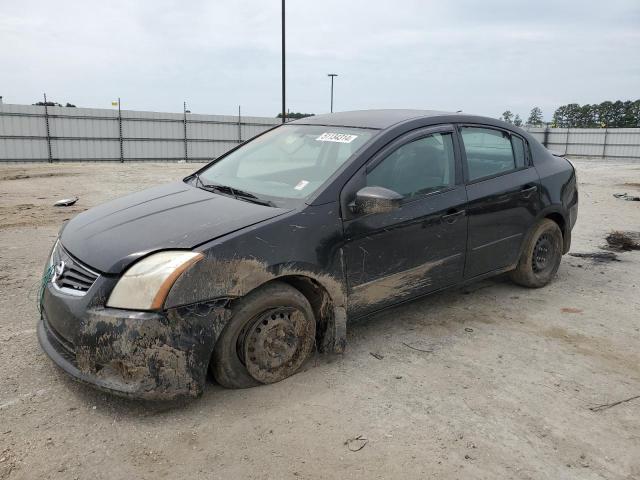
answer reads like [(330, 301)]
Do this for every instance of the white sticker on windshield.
[(336, 137), (301, 184)]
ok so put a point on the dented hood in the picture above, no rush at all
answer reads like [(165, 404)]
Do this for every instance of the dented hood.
[(113, 235)]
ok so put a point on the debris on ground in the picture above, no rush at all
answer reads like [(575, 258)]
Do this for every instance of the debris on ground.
[(468, 329), (376, 355), (599, 408), (66, 202), (597, 256), (417, 349), (570, 310), (626, 196), (357, 443), (623, 240)]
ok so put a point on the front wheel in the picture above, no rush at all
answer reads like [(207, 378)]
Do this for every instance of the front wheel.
[(540, 257), (270, 335)]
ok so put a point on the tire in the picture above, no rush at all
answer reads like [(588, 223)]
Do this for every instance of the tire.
[(269, 336), (540, 256)]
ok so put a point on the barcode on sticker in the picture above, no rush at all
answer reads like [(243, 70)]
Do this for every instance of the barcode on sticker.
[(336, 137)]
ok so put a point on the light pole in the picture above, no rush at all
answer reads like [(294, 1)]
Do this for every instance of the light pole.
[(332, 75), (284, 108)]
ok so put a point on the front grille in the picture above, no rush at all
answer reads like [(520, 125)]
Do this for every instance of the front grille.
[(69, 275)]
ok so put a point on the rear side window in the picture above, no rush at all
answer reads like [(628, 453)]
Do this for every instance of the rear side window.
[(518, 150), (489, 152)]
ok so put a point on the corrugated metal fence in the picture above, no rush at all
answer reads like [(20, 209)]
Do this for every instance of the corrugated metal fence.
[(602, 143), (30, 133)]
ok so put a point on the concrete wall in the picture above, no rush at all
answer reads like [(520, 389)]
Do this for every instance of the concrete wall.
[(601, 143), (38, 134)]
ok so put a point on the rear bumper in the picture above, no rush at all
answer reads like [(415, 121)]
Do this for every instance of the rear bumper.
[(145, 355)]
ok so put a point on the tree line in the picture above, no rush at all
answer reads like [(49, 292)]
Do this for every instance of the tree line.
[(296, 115), (618, 114)]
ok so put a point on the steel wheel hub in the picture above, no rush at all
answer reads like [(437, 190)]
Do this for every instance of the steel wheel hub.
[(276, 343), (543, 254)]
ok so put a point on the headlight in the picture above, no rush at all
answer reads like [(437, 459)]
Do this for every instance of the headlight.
[(146, 284)]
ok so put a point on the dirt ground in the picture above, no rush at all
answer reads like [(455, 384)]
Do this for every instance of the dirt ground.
[(489, 381)]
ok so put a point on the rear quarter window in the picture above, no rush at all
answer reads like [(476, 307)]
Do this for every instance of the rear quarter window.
[(518, 151)]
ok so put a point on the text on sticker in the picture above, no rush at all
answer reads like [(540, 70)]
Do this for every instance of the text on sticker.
[(336, 137)]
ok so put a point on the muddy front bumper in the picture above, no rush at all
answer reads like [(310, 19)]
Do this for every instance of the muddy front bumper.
[(146, 355)]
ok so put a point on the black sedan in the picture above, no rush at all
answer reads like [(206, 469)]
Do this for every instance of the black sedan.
[(248, 265)]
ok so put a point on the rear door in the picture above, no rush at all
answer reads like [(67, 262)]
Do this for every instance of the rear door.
[(420, 247), (503, 196)]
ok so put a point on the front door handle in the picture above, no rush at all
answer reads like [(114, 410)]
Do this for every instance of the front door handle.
[(526, 192), (452, 217)]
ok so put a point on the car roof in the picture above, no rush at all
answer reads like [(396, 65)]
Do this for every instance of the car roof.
[(378, 119)]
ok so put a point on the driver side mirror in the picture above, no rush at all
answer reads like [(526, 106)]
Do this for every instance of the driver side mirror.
[(376, 200)]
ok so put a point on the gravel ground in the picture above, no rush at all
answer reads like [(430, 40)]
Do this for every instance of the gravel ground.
[(489, 381)]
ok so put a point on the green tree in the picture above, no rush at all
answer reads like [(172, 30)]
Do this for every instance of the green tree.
[(607, 114), (618, 114), (535, 117), (586, 117), (507, 116), (572, 114), (296, 115), (517, 121), (559, 119), (633, 113)]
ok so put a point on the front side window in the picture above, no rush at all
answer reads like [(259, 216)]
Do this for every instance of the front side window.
[(421, 166), (288, 162), (489, 152)]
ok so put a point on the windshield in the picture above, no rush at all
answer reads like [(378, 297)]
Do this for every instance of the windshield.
[(291, 161)]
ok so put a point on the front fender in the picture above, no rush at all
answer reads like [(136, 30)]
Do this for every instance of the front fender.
[(214, 278)]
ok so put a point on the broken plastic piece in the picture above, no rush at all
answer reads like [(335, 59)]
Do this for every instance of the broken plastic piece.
[(626, 196), (66, 202)]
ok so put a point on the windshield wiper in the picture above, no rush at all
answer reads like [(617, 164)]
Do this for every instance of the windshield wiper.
[(234, 192)]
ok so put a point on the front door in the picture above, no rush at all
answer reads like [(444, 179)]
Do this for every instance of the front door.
[(420, 247), (503, 192)]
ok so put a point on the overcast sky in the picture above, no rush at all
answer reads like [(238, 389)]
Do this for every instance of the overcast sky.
[(477, 56)]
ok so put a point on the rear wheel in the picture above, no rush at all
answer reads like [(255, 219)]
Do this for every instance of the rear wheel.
[(270, 335), (540, 257)]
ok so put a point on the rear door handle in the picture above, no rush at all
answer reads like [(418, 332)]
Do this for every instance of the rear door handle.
[(526, 192), (452, 217)]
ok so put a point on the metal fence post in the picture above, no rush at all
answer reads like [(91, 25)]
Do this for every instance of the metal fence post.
[(46, 121), (545, 140), (239, 126), (604, 143), (120, 132), (186, 148)]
